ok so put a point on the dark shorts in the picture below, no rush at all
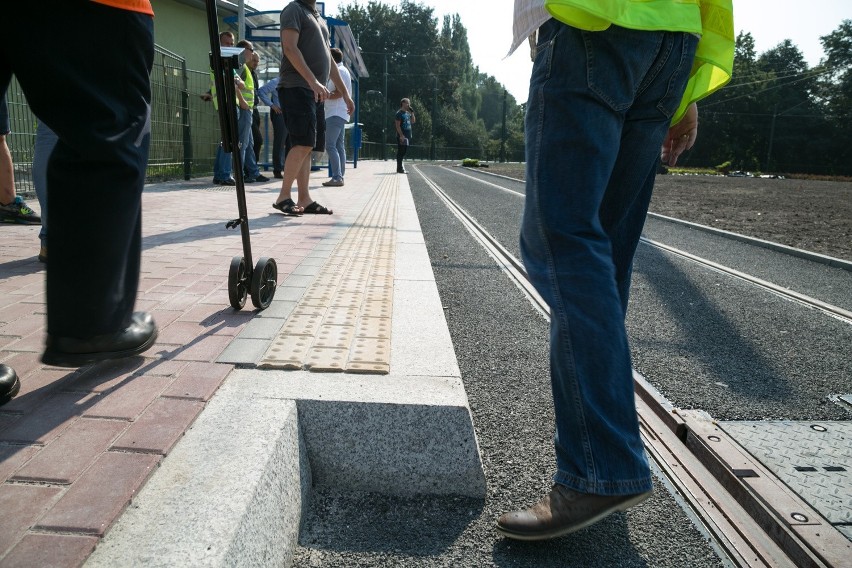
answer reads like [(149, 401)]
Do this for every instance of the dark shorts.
[(4, 116), (304, 118)]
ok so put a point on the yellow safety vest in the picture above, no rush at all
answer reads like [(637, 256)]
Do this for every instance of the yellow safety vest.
[(248, 91), (713, 20), (213, 90)]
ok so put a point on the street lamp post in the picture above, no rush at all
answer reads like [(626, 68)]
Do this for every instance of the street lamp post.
[(383, 124)]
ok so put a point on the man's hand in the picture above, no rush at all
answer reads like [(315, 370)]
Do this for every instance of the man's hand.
[(320, 91), (681, 136), (276, 109), (350, 104)]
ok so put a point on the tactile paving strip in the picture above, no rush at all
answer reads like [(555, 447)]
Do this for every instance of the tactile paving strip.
[(343, 321), (814, 459)]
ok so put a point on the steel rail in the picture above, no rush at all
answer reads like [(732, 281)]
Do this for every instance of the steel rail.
[(803, 299), (706, 467)]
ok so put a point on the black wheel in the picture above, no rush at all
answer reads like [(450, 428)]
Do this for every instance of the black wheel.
[(237, 284), (263, 283)]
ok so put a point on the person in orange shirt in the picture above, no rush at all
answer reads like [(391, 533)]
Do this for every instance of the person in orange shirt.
[(96, 171)]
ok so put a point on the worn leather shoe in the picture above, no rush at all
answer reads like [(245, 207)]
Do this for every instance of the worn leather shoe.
[(9, 383), (137, 337), (563, 511)]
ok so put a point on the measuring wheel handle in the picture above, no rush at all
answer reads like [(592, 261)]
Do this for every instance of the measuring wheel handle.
[(238, 283), (263, 283)]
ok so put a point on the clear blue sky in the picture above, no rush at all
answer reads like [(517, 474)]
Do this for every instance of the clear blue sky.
[(490, 29)]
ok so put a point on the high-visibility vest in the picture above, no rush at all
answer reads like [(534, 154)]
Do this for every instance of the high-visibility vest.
[(713, 20), (143, 6), (248, 91)]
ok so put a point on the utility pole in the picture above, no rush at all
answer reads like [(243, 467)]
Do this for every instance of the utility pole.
[(771, 137), (503, 132), (385, 112), (432, 150)]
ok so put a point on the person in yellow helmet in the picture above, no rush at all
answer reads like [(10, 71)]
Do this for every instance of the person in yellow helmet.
[(96, 170), (613, 89)]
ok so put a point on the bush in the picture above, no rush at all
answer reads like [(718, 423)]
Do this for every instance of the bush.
[(470, 163)]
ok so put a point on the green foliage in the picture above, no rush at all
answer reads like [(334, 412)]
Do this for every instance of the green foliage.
[(778, 115), (470, 163), (408, 54)]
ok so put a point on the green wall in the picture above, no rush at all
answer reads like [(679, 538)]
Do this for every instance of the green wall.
[(182, 30)]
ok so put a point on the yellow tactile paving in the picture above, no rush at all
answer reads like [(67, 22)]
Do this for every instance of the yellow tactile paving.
[(343, 321)]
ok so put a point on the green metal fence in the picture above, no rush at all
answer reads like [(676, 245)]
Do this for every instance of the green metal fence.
[(184, 128)]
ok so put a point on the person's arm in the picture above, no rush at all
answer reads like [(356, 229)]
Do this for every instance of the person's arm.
[(290, 45), (681, 136), (413, 118), (398, 124), (340, 86)]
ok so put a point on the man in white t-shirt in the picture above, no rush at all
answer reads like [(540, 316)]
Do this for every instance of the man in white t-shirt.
[(336, 117)]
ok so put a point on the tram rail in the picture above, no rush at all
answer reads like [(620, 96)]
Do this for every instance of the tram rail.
[(752, 518)]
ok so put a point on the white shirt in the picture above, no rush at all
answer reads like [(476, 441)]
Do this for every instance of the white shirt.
[(337, 107), (529, 16)]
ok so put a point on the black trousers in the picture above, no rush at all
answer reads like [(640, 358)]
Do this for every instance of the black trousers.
[(256, 135), (279, 139), (401, 151), (96, 96)]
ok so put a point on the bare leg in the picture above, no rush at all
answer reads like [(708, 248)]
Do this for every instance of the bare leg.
[(7, 173), (293, 166), (303, 181)]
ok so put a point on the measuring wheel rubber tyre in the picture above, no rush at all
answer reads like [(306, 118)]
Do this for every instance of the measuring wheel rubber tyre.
[(237, 284), (263, 283)]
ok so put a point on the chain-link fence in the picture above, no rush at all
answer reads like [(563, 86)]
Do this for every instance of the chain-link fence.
[(184, 127)]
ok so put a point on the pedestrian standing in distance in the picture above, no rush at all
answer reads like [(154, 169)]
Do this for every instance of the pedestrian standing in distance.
[(223, 162), (305, 70), (612, 83), (336, 117), (103, 127), (256, 134), (268, 95), (403, 121), (245, 115)]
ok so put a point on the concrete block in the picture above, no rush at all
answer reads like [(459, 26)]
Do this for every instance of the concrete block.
[(232, 493)]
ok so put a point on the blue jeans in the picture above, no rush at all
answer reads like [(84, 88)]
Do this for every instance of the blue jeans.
[(222, 165), (600, 104), (335, 146), (246, 143), (45, 141)]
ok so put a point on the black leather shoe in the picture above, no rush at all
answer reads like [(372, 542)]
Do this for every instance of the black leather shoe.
[(277, 174), (139, 336), (9, 383), (261, 178), (563, 511)]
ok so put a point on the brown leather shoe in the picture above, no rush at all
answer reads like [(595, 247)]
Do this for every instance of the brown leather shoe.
[(563, 511)]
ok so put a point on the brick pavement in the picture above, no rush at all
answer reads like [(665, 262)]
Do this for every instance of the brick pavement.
[(76, 445)]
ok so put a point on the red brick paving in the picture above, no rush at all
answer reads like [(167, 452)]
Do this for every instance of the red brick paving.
[(77, 445)]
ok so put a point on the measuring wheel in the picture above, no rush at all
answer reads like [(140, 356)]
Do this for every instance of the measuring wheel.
[(263, 283), (237, 283)]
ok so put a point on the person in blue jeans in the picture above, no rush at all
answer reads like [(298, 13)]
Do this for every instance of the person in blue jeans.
[(601, 106), (336, 117), (45, 141)]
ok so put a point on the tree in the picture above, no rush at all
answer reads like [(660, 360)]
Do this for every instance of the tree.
[(408, 56)]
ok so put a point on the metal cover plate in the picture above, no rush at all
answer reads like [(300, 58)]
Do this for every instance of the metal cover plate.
[(814, 459)]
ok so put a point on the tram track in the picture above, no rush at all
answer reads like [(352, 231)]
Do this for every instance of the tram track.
[(723, 488)]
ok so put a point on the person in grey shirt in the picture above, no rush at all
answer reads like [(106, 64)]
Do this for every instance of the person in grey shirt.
[(305, 69)]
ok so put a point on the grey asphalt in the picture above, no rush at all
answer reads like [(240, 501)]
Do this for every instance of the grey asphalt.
[(502, 350)]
